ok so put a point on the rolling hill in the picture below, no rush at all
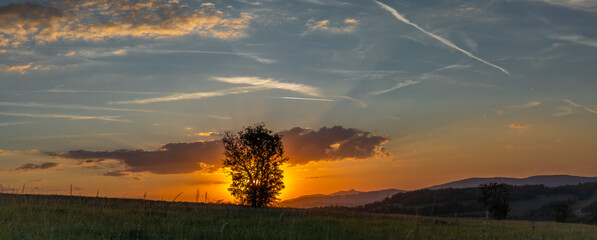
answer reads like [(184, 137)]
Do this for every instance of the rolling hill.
[(350, 198)]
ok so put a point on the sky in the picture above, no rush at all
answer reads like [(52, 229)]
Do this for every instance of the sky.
[(131, 98)]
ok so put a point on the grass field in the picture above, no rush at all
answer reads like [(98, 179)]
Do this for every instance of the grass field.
[(64, 217)]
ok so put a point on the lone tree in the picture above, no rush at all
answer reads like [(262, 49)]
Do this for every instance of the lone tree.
[(495, 196), (254, 158), (561, 211)]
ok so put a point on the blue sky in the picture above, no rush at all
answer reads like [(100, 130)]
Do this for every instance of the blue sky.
[(453, 89)]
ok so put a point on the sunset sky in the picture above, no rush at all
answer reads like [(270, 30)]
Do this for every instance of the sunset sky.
[(131, 97)]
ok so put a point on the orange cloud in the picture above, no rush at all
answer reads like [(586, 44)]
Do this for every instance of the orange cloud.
[(324, 26), (97, 20), (207, 134), (517, 125)]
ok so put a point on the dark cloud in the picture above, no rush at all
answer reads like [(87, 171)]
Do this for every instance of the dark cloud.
[(301, 146), (116, 173), (171, 158), (32, 166), (336, 143)]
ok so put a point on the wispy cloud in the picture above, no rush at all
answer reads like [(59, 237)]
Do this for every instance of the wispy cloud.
[(253, 56), (583, 107), (441, 39), (584, 5), (270, 83), (421, 78), (255, 82), (190, 96), (72, 117), (306, 99), (578, 39), (100, 91), (529, 104), (68, 106), (356, 101), (397, 86), (13, 123)]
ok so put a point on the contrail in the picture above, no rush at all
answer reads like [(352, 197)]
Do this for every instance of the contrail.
[(441, 39)]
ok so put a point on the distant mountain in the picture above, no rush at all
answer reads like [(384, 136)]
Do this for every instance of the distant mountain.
[(350, 198), (547, 180)]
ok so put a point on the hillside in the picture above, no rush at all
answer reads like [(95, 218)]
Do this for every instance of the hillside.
[(533, 202), (547, 180), (351, 198)]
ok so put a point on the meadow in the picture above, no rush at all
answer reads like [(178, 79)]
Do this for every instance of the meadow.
[(76, 217)]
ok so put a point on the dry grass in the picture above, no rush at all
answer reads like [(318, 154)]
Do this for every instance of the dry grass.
[(64, 217)]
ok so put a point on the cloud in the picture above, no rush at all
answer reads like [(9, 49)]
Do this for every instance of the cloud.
[(336, 143), (172, 158), (517, 125), (13, 123), (270, 83), (32, 166), (301, 146), (68, 106), (256, 83), (189, 96), (447, 42), (563, 111), (574, 107), (402, 84), (584, 5), (116, 173), (207, 134), (253, 56), (97, 20), (579, 106), (22, 69), (72, 117), (99, 91), (529, 104), (578, 39), (323, 26), (307, 99), (421, 78)]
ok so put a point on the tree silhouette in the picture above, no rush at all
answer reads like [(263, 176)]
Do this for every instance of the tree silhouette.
[(253, 158), (561, 211), (495, 196)]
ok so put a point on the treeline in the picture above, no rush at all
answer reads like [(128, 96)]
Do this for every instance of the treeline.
[(575, 203)]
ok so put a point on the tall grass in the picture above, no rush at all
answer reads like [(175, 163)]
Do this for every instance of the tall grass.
[(66, 217)]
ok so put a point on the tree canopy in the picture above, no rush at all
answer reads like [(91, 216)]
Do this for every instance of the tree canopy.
[(253, 158)]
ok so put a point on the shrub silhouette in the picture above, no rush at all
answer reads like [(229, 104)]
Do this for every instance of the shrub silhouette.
[(253, 158)]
